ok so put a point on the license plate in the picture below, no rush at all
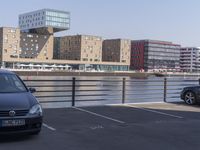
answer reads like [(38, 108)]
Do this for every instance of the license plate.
[(13, 123)]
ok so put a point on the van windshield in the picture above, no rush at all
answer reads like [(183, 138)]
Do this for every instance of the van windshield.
[(10, 83)]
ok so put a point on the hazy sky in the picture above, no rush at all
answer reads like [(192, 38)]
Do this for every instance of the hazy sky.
[(171, 20)]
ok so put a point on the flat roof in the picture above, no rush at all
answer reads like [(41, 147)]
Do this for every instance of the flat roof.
[(157, 42), (45, 9)]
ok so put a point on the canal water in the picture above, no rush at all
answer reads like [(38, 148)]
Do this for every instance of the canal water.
[(107, 90)]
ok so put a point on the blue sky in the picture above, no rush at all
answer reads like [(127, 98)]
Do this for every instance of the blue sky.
[(171, 20)]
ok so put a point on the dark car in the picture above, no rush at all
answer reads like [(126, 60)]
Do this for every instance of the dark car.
[(20, 112), (191, 95)]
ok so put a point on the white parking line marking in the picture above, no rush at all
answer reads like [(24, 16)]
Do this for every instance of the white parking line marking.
[(99, 115), (155, 111), (49, 127)]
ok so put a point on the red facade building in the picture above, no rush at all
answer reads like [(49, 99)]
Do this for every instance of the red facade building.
[(151, 55)]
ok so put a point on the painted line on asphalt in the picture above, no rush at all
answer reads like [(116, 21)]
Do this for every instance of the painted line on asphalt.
[(99, 115), (49, 127), (155, 111)]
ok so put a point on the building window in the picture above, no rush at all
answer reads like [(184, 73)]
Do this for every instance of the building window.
[(29, 35), (85, 59)]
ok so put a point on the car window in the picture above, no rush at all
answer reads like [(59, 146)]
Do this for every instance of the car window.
[(10, 83)]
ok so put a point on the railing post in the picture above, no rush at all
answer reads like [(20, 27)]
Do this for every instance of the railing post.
[(165, 90), (199, 81), (123, 90), (73, 91)]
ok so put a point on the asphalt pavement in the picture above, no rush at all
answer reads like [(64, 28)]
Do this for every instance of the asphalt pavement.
[(152, 126)]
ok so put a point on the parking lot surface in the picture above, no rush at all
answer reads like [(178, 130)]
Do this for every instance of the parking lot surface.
[(154, 126)]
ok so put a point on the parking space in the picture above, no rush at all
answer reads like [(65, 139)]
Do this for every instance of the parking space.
[(132, 126)]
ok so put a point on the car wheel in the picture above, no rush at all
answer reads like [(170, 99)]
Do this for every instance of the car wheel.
[(190, 98)]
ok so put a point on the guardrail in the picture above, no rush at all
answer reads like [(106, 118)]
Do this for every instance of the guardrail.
[(123, 90)]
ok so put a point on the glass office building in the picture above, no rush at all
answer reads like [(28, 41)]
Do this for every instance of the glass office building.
[(151, 55), (56, 19)]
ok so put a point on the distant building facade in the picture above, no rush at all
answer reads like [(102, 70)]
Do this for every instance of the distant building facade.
[(190, 59), (116, 50), (36, 46), (9, 43), (85, 48), (151, 55), (16, 44), (45, 21)]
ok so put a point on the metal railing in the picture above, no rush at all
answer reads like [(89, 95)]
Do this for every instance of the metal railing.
[(123, 90)]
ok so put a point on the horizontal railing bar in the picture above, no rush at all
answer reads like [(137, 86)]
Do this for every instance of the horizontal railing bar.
[(109, 81), (132, 85), (182, 84), (91, 100), (48, 85), (134, 90), (175, 93), (61, 85), (143, 93), (57, 91), (60, 101), (71, 85), (145, 81), (99, 80), (47, 80), (57, 101), (92, 95), (145, 98), (101, 85), (182, 80), (71, 80), (175, 89), (174, 97), (52, 96)]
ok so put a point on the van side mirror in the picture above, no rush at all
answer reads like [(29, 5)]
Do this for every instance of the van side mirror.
[(32, 90)]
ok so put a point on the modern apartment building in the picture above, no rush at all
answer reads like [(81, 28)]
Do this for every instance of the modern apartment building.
[(190, 59), (45, 21), (9, 43), (85, 48), (36, 46), (151, 55), (18, 45), (116, 50)]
